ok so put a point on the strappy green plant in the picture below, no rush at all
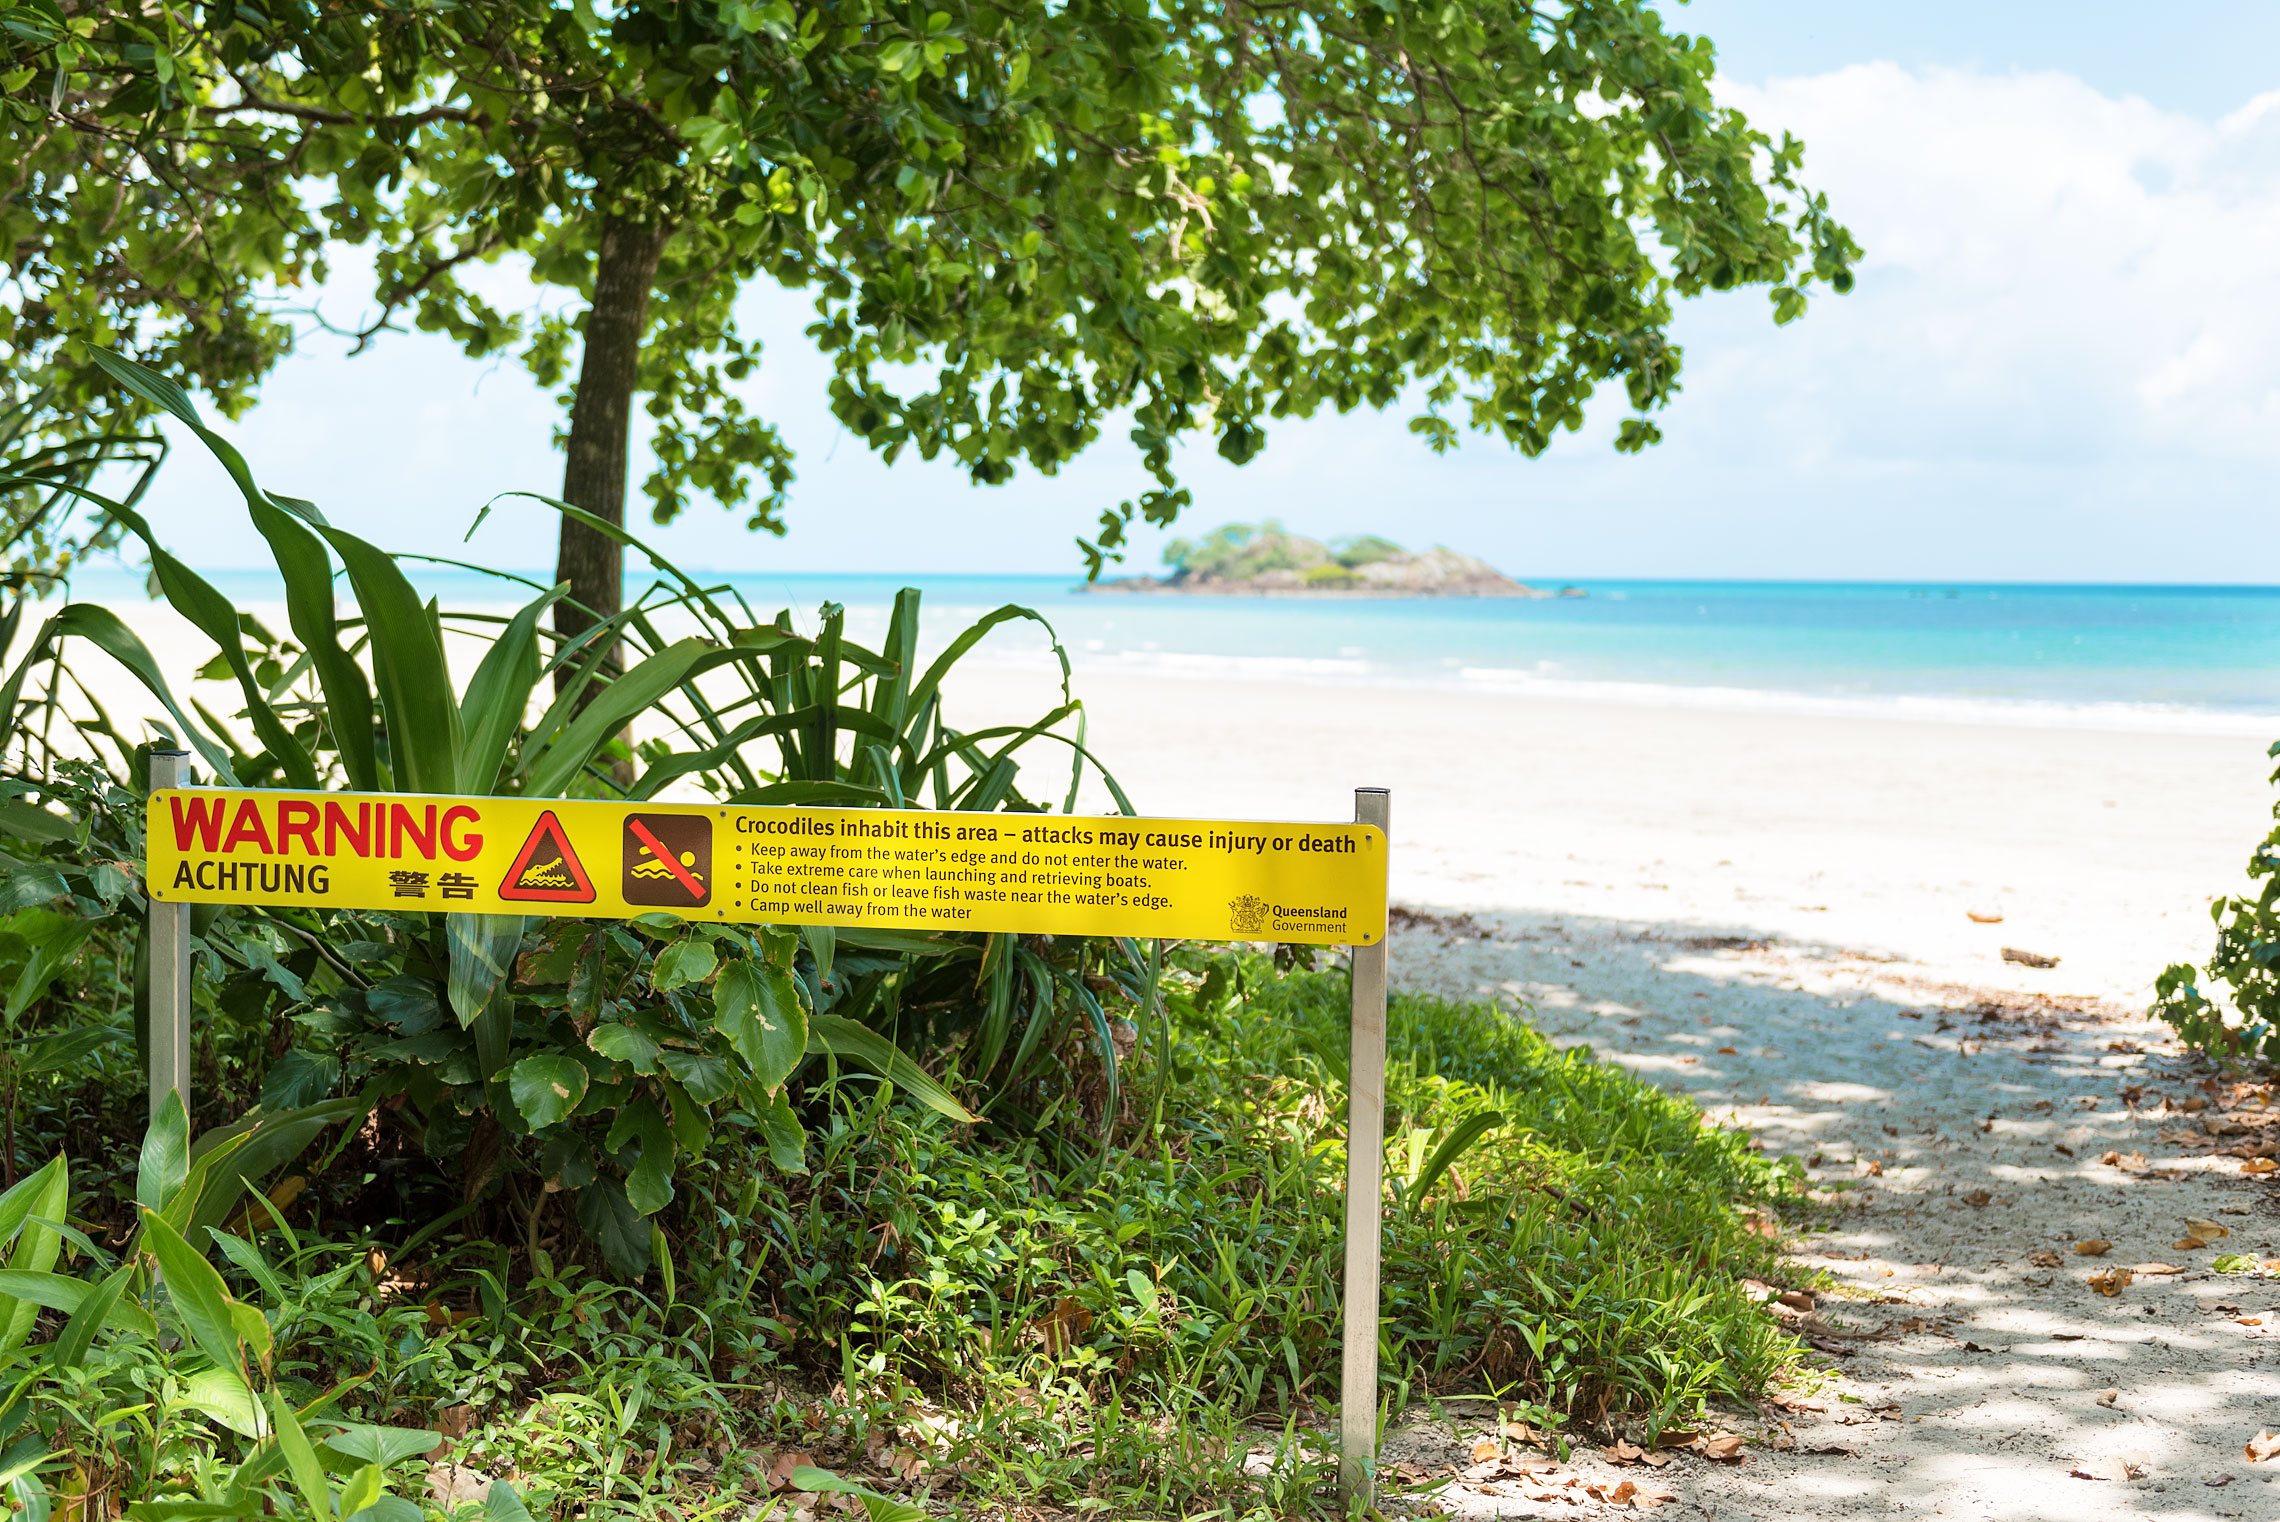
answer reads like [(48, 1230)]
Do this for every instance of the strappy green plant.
[(486, 1023)]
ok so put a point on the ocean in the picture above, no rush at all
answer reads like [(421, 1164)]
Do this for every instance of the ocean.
[(2172, 658)]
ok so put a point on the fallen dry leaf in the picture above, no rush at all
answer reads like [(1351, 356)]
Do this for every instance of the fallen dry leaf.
[(1725, 1448), (2092, 1248), (2249, 1320), (1727, 1051), (1627, 1453), (2156, 1270), (1978, 918), (780, 1472), (2108, 1397), (2028, 958), (2188, 1244), (2124, 1467), (2043, 1257), (2261, 1447), (1487, 1451), (2207, 1231), (1060, 1327), (1873, 1168), (2260, 1165), (1977, 1197), (451, 1424), (1796, 1299), (2112, 1282)]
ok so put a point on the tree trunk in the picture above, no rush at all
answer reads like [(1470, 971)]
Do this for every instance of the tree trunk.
[(601, 425)]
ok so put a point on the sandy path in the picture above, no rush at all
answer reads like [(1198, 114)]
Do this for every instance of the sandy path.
[(1772, 914), (1972, 1377)]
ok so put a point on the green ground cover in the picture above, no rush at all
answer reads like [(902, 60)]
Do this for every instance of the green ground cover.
[(981, 1320)]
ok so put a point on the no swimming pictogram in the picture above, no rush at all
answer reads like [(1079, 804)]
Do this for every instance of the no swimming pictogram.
[(546, 870), (668, 860)]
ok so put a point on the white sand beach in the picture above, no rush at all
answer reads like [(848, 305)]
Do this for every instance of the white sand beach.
[(2101, 849)]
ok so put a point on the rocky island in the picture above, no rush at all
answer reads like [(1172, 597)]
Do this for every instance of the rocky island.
[(1265, 559)]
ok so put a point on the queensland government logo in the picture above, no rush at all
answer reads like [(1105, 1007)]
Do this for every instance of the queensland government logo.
[(1247, 915)]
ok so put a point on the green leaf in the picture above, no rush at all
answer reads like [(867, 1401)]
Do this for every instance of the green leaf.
[(301, 1459), (877, 1507), (1452, 1147), (683, 963), (387, 1509), (45, 1193), (706, 1078), (196, 1291), (757, 1007), (822, 943), (606, 1216), (381, 1445), (407, 658), (45, 1289), (546, 1088), (299, 1078), (499, 693), (868, 1049), (781, 1129), (49, 958), (104, 630), (248, 1258), (226, 1162), (223, 1394), (208, 610), (69, 1048), (30, 1197), (621, 1041), (71, 1344), (165, 1160), (557, 765), (649, 1185), (503, 1504), (483, 948), (311, 609)]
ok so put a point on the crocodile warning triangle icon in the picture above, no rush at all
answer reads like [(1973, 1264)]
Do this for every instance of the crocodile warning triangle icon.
[(546, 870)]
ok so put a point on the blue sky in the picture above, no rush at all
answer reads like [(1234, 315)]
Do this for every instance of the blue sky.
[(2058, 364)]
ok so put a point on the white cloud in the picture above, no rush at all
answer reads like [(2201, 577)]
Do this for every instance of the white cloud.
[(2052, 272)]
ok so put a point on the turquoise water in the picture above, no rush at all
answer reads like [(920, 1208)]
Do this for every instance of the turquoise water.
[(2190, 658)]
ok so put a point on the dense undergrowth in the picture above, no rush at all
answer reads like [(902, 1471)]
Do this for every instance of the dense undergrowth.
[(983, 1318)]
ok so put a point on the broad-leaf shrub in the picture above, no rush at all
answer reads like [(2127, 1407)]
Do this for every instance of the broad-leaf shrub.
[(2246, 962)]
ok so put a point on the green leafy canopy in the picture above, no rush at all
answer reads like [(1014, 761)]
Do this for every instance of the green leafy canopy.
[(1018, 219)]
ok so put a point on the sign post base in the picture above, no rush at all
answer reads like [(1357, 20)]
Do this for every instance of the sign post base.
[(1365, 1156)]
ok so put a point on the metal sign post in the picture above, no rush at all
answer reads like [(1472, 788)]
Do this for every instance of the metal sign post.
[(1365, 1158), (169, 931)]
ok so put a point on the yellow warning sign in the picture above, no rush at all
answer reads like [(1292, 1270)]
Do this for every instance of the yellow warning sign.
[(911, 869)]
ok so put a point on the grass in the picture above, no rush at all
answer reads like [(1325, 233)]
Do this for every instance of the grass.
[(1013, 1324)]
